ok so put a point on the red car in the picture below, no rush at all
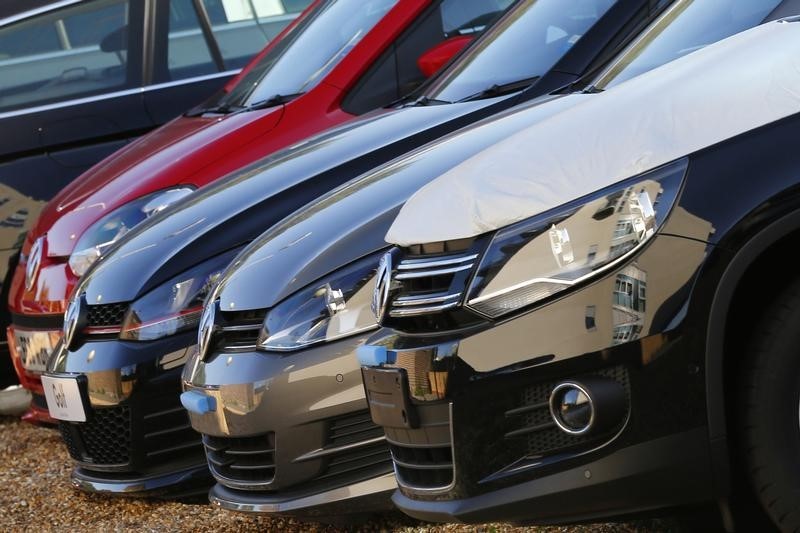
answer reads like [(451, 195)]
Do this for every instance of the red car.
[(340, 59)]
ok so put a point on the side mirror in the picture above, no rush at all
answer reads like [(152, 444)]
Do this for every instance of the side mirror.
[(436, 56), (116, 41)]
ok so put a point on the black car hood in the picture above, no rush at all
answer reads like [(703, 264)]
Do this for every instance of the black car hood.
[(350, 222), (238, 208)]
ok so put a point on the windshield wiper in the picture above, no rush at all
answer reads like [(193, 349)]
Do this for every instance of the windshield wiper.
[(425, 101), (500, 89), (227, 109), (223, 109), (272, 101)]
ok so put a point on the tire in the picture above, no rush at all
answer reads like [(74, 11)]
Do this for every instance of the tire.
[(769, 410)]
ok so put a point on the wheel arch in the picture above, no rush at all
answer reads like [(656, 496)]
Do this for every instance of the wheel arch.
[(733, 286)]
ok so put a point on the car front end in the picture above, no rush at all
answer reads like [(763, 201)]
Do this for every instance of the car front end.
[(546, 399), (543, 357)]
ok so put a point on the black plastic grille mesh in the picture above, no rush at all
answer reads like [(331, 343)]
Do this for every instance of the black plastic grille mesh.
[(72, 446), (242, 459), (105, 439), (106, 314), (550, 439), (107, 436)]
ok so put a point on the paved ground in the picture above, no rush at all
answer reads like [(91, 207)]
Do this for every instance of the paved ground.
[(36, 496)]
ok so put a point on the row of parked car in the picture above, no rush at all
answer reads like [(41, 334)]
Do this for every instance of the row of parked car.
[(480, 260)]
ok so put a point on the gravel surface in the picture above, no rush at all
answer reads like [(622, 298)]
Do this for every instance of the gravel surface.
[(35, 495)]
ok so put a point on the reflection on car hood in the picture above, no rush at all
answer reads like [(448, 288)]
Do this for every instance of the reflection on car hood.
[(171, 154), (350, 222), (723, 90), (235, 210)]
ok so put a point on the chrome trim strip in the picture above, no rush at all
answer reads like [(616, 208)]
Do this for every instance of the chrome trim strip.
[(108, 96), (406, 301), (243, 327), (323, 452), (409, 264), (422, 310), (234, 484), (238, 348), (37, 11), (427, 273), (383, 483)]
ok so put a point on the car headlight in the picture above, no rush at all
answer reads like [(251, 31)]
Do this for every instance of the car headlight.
[(337, 306), (117, 223), (549, 253), (174, 306)]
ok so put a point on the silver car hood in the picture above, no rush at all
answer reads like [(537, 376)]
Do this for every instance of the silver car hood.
[(723, 90)]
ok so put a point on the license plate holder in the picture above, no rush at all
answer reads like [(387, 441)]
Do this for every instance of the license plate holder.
[(67, 396), (389, 398)]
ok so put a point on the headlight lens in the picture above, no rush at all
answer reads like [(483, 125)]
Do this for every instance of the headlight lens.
[(334, 307), (544, 255), (174, 306), (117, 223)]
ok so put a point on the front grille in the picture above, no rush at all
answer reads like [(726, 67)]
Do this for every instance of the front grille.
[(355, 448), (423, 457), (239, 330), (135, 437), (105, 439), (532, 422), (168, 434), (430, 284), (242, 459), (106, 315)]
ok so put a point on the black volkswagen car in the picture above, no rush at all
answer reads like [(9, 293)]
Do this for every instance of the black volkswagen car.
[(581, 331), (134, 316), (82, 78), (275, 369)]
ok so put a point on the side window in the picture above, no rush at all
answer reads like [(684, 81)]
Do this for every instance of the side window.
[(77, 51), (241, 33), (188, 54), (397, 72)]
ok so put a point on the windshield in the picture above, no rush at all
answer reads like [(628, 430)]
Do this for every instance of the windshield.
[(309, 51), (685, 27), (524, 44)]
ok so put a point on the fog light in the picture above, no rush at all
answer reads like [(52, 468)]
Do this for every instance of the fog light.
[(595, 405), (572, 408)]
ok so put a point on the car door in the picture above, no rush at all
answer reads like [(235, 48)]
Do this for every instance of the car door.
[(199, 44), (70, 94)]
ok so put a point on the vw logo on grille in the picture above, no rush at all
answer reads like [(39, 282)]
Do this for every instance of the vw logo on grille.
[(206, 328), (383, 282), (34, 262), (71, 318)]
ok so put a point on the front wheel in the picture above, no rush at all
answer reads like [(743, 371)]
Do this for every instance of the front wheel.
[(769, 427)]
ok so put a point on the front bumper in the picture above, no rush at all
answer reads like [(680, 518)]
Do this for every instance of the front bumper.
[(634, 479), (190, 481), (137, 437), (306, 415), (29, 361), (503, 457), (372, 495)]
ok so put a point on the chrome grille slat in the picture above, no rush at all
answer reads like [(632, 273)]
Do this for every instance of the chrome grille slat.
[(416, 264), (406, 301), (422, 310), (417, 295), (429, 273)]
